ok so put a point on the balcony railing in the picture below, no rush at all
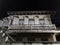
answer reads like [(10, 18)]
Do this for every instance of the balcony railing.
[(33, 43), (33, 27)]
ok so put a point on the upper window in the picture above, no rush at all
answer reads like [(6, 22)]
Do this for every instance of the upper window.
[(31, 21), (5, 23), (21, 21), (41, 21)]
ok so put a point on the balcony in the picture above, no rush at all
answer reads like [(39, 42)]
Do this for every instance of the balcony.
[(32, 29)]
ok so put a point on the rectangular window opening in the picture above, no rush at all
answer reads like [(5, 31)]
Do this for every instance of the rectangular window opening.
[(41, 21), (21, 21), (31, 21)]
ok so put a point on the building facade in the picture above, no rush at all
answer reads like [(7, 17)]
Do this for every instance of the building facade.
[(28, 28)]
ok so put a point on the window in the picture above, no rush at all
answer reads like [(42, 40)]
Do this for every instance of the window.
[(5, 23), (21, 21), (18, 39), (24, 39), (31, 21), (41, 21), (31, 39), (44, 39)]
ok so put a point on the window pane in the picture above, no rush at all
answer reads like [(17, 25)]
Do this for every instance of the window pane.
[(41, 21), (21, 21), (31, 21)]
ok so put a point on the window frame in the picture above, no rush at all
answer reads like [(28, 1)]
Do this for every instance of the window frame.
[(22, 21), (41, 22), (31, 20)]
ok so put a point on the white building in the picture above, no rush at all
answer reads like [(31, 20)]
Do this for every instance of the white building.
[(29, 28)]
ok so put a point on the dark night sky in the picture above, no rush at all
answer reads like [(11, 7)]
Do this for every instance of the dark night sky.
[(17, 5)]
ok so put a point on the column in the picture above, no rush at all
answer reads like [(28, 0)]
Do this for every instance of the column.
[(46, 21), (36, 20), (9, 22), (54, 37), (25, 20), (16, 20)]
